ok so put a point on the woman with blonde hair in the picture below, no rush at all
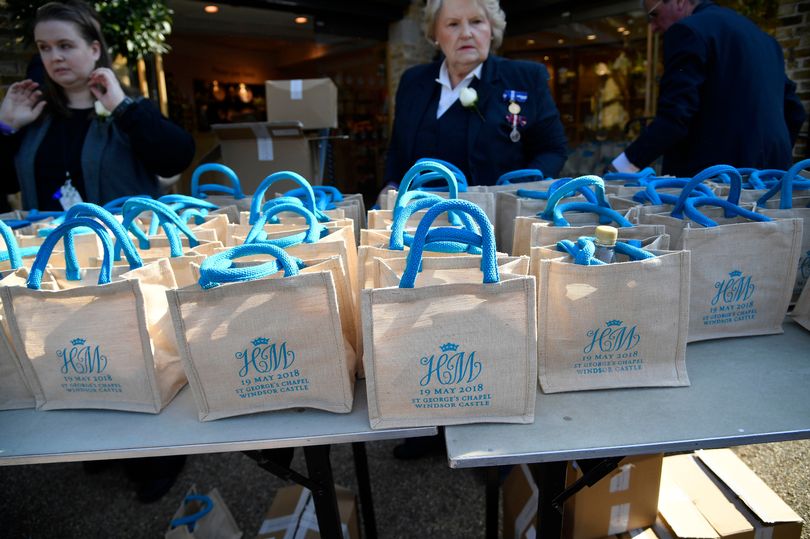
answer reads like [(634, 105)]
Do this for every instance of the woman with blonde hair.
[(483, 113)]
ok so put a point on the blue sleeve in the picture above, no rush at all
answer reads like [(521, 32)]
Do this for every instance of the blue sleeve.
[(162, 146), (795, 115), (546, 148), (684, 74)]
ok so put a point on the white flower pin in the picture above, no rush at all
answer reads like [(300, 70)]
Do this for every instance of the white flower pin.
[(469, 99), (101, 111)]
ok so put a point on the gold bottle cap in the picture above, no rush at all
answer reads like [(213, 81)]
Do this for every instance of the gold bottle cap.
[(606, 235)]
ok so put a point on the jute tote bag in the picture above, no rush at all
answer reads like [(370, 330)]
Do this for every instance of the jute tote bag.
[(604, 326), (743, 263), (791, 204), (252, 344), (426, 171), (219, 194), (14, 390), (83, 345), (582, 216), (571, 220), (448, 354), (308, 199), (328, 197)]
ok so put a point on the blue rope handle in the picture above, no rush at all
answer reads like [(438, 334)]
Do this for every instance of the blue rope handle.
[(489, 266), (36, 215), (167, 218), (309, 199), (284, 199), (583, 250), (707, 174), (427, 166), (732, 210), (652, 194), (191, 520), (323, 199), (410, 196), (421, 183), (763, 179), (633, 179), (315, 231), (399, 238), (17, 223), (543, 195), (199, 191), (330, 191), (178, 203), (198, 214), (25, 252), (459, 175), (607, 215), (12, 247), (116, 205), (520, 176), (573, 186), (85, 209), (218, 268), (45, 250), (785, 186)]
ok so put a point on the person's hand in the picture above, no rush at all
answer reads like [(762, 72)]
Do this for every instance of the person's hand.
[(22, 105), (105, 88)]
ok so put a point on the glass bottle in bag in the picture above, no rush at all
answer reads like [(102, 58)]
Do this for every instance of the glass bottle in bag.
[(606, 244)]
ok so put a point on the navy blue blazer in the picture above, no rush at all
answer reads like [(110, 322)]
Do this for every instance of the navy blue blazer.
[(491, 152), (724, 98)]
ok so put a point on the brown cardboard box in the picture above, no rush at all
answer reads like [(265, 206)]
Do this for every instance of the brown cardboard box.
[(713, 494), (313, 102), (625, 499), (293, 508), (256, 150), (520, 497)]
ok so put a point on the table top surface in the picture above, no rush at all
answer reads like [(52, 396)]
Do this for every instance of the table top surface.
[(743, 391), (30, 436)]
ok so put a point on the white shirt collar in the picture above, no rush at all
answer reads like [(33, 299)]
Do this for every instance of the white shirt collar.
[(449, 94)]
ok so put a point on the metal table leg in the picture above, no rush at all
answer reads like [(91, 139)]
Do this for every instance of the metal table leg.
[(326, 506), (550, 479), (364, 486)]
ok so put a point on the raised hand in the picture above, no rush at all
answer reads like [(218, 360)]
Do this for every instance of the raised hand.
[(105, 88), (22, 105)]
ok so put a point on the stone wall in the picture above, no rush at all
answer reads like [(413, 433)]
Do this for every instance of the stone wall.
[(407, 47), (793, 34)]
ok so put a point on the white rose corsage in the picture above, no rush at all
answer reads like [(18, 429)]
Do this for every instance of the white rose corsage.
[(469, 100), (101, 111)]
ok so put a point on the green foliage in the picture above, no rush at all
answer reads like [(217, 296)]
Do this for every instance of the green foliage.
[(132, 28)]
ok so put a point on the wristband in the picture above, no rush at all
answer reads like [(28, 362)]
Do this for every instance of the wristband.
[(6, 129), (122, 107)]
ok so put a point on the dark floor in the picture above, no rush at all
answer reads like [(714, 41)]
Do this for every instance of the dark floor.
[(423, 498)]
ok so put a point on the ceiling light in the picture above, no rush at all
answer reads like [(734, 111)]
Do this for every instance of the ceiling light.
[(591, 37), (626, 32), (621, 29), (546, 58), (530, 42), (211, 8), (301, 20), (560, 41)]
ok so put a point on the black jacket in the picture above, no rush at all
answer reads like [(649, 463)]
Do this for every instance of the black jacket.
[(724, 98), (491, 153)]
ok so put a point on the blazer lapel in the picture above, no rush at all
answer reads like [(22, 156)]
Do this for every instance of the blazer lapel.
[(486, 91)]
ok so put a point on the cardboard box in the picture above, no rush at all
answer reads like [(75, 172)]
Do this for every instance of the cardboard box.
[(256, 150), (625, 499), (713, 494), (293, 511), (520, 497), (313, 102)]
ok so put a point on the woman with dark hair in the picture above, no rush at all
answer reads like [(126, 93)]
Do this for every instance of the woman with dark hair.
[(82, 130), (65, 137)]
